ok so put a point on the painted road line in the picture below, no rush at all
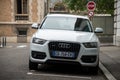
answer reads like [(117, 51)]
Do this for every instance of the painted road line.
[(9, 46), (108, 75), (21, 46), (61, 76)]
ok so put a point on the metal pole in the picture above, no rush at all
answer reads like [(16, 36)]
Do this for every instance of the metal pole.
[(0, 42), (3, 41)]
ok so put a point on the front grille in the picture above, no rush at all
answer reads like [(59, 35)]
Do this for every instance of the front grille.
[(64, 47), (89, 59), (62, 62)]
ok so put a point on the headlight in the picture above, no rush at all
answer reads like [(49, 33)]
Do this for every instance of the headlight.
[(91, 45), (38, 41)]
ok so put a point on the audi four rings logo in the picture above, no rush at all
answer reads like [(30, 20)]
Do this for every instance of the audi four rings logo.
[(64, 45)]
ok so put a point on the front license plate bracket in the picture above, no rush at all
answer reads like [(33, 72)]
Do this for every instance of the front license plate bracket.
[(63, 54)]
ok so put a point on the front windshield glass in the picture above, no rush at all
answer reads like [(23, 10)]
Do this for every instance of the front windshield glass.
[(67, 23)]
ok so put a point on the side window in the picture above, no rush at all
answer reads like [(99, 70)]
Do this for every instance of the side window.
[(21, 9), (82, 25)]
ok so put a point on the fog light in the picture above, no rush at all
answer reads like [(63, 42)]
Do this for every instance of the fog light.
[(38, 55)]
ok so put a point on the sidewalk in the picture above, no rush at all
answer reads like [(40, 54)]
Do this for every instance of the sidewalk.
[(110, 58)]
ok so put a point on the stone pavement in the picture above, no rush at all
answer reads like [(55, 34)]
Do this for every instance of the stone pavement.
[(110, 58)]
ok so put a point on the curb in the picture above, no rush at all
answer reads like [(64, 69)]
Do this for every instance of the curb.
[(106, 45), (107, 74)]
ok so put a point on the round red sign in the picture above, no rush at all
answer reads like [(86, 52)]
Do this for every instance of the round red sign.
[(91, 5)]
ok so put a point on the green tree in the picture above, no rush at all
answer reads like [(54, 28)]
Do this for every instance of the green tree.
[(105, 6), (102, 6), (76, 5)]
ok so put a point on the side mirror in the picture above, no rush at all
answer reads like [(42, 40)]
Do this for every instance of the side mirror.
[(98, 30), (35, 25)]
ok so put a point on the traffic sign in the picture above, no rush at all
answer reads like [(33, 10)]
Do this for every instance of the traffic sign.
[(91, 5), (90, 13)]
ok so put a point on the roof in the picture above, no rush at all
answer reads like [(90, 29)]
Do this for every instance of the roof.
[(67, 15)]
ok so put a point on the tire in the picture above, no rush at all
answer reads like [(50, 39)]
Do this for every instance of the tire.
[(94, 70), (33, 66)]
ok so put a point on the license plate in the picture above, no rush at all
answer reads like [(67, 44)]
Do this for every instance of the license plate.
[(63, 54)]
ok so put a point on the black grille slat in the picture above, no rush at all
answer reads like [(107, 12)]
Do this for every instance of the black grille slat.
[(54, 46)]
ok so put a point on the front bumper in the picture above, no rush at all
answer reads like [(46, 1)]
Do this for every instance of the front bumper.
[(85, 56)]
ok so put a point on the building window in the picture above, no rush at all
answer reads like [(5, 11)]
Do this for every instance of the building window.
[(22, 31), (21, 10)]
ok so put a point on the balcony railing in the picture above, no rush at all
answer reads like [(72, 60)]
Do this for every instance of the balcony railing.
[(21, 17)]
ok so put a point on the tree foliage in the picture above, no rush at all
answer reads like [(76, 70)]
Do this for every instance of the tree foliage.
[(76, 5), (105, 6), (102, 6)]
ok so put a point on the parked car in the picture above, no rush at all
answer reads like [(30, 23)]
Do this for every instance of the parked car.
[(64, 38)]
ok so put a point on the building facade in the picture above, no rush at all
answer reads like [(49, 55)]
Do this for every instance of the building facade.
[(117, 23), (17, 16)]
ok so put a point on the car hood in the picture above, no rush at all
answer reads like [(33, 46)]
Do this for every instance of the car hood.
[(65, 35)]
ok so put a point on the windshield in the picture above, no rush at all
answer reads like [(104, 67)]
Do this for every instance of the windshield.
[(67, 23)]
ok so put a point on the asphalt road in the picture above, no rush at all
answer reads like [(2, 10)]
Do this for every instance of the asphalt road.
[(14, 66)]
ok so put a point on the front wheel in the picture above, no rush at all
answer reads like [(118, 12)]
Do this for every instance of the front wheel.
[(33, 66), (94, 70)]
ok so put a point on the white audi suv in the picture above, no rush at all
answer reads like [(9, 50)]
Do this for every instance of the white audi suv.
[(65, 38)]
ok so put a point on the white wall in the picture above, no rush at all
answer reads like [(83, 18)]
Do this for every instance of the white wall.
[(117, 23)]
